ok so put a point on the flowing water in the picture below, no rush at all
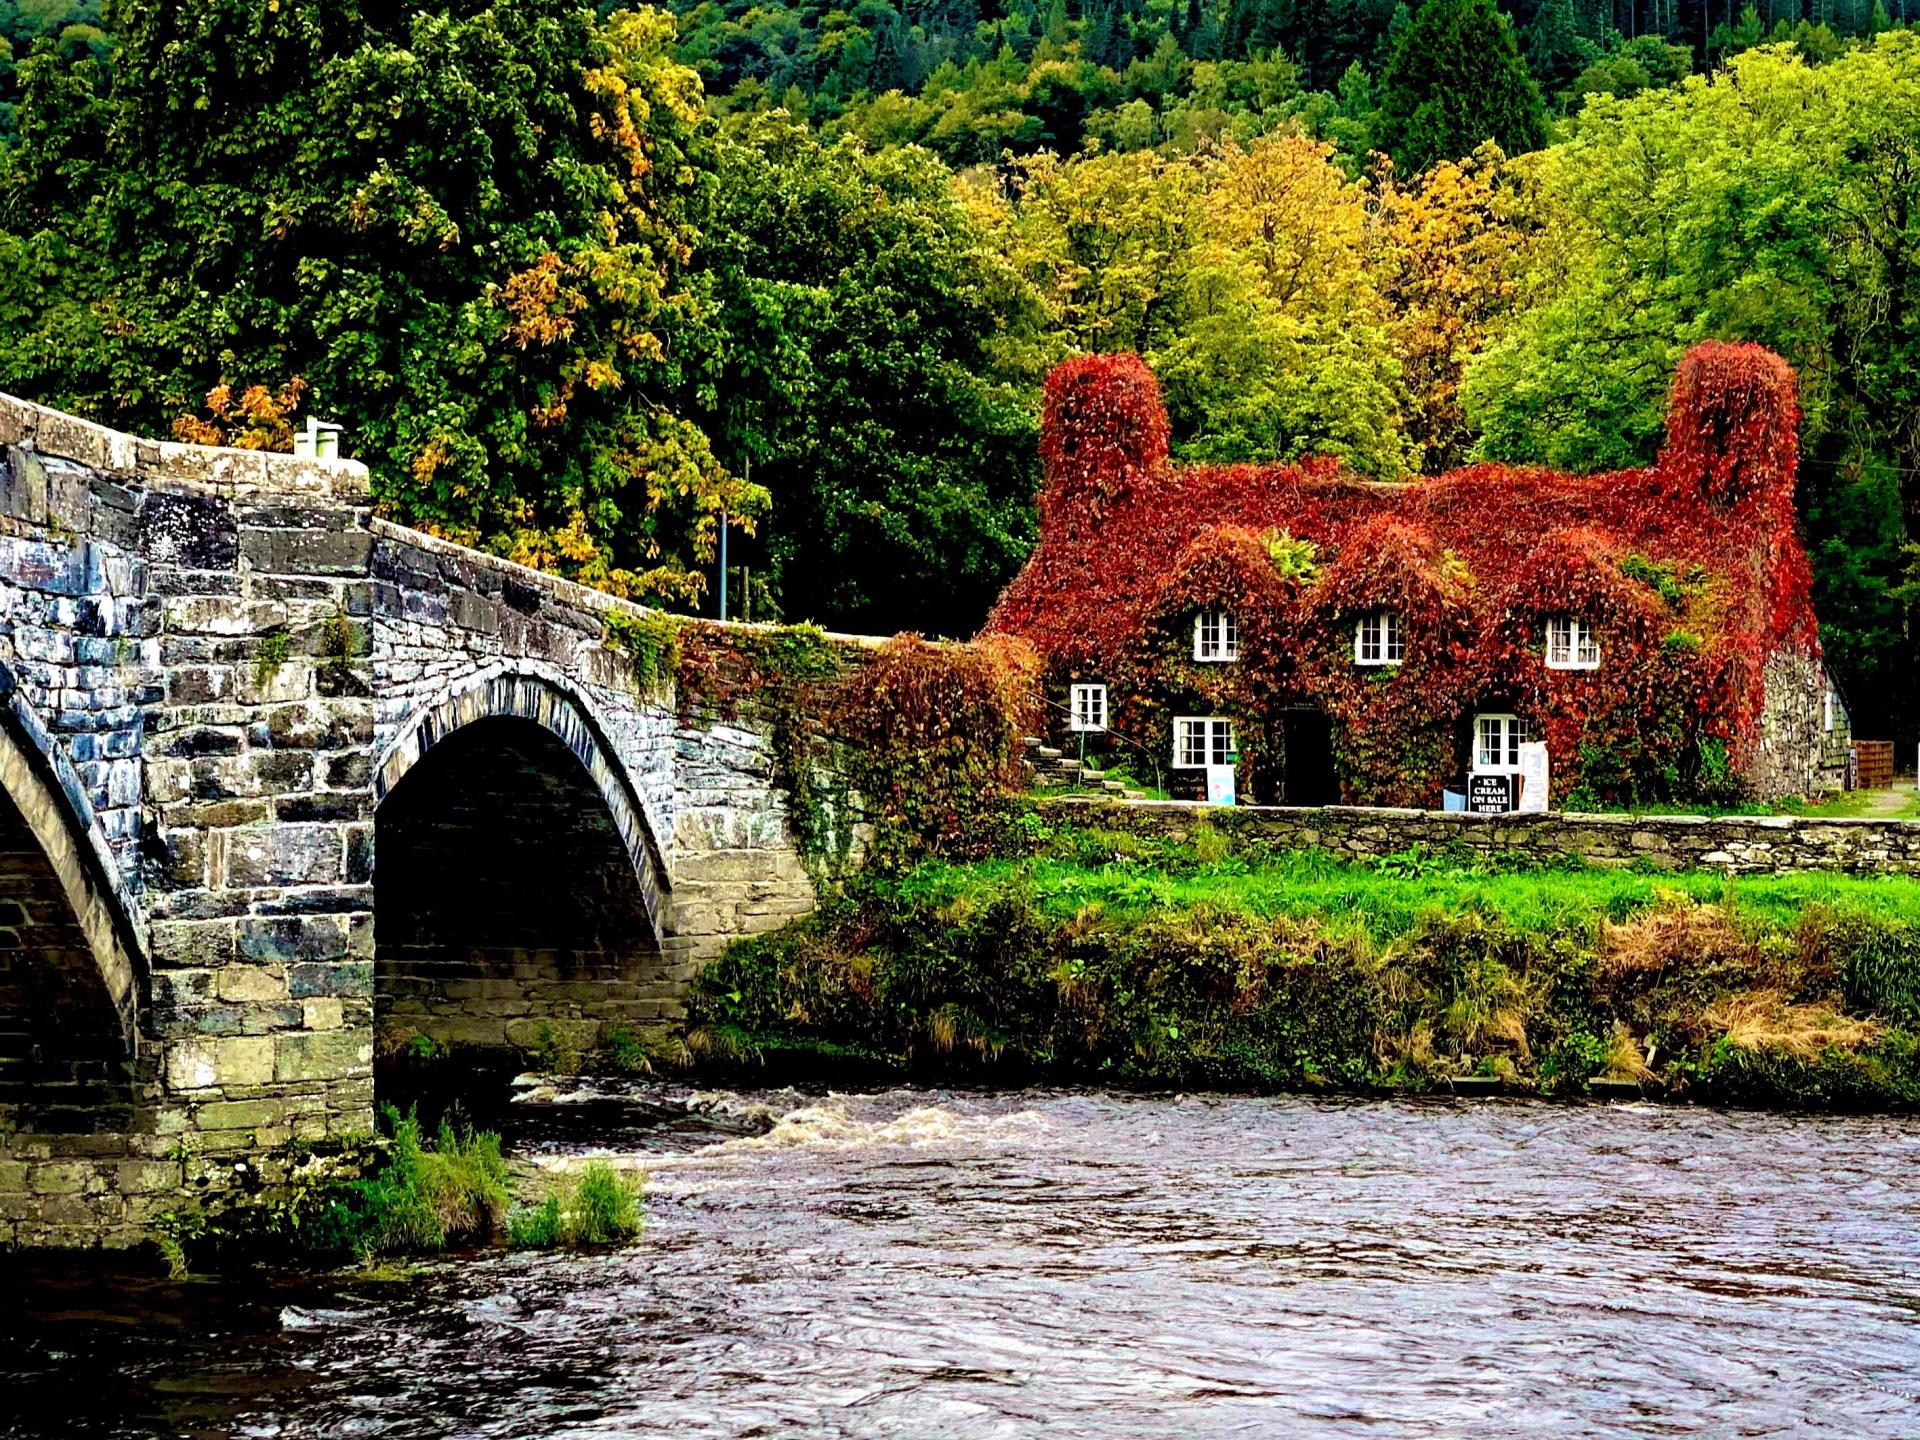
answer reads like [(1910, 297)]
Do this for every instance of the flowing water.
[(928, 1264)]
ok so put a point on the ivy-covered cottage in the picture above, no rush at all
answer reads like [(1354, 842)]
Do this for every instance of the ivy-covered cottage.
[(1349, 640)]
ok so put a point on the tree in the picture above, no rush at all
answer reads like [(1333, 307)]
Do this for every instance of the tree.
[(468, 232), (1777, 202), (1240, 275), (1455, 81), (874, 375), (1451, 249)]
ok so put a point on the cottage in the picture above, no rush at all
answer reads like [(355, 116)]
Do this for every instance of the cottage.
[(1339, 639)]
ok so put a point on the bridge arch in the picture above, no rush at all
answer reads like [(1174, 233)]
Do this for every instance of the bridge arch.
[(519, 890), (545, 699), (72, 962)]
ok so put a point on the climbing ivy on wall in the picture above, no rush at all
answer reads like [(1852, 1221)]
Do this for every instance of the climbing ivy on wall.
[(919, 740), (651, 643), (934, 739), (1691, 571)]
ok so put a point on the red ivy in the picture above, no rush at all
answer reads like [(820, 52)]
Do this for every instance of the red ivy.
[(1691, 570)]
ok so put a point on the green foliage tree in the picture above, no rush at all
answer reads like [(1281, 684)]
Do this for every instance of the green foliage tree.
[(1455, 81), (1776, 202), (877, 373), (468, 231)]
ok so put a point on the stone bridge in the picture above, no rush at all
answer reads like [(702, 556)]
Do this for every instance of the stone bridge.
[(224, 687)]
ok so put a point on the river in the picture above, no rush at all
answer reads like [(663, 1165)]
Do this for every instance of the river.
[(926, 1264)]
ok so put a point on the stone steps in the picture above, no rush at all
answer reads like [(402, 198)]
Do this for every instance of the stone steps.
[(1051, 769)]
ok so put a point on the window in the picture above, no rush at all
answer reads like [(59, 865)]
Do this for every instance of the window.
[(1830, 703), (1496, 742), (1201, 741), (1089, 707), (1571, 644), (1216, 636), (1380, 639)]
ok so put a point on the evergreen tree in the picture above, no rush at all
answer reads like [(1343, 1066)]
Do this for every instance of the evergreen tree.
[(1254, 26), (1553, 46), (1455, 81)]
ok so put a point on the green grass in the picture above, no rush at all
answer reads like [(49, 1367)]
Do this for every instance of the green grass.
[(1384, 898), (602, 1207), (401, 1195), (1127, 959), (406, 1195)]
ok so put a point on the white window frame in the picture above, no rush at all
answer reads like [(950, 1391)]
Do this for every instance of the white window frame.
[(1572, 643), (1088, 709), (1212, 749), (1216, 636), (1827, 707), (1380, 638), (1514, 732)]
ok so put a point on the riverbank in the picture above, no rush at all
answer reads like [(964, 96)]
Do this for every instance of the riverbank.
[(1099, 956), (399, 1194)]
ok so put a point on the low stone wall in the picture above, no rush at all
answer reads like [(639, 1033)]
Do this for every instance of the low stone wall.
[(1749, 845)]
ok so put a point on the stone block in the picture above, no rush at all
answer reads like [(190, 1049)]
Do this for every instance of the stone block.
[(308, 552), (329, 980), (294, 938), (146, 1177), (291, 679), (249, 984), (188, 532), (224, 615), (192, 944), (240, 1114), (322, 1055), (262, 855), (191, 1066)]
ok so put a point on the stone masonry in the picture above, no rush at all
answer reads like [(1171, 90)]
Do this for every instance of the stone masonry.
[(219, 677), (1737, 845)]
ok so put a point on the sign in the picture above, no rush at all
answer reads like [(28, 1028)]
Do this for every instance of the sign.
[(1219, 784), (1490, 794), (1533, 778)]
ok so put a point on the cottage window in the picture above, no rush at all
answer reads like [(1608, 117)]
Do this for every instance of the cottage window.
[(1572, 644), (1380, 639), (1200, 741), (1089, 708), (1216, 636), (1827, 708), (1496, 743)]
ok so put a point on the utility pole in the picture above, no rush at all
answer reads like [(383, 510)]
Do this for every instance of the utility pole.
[(723, 564)]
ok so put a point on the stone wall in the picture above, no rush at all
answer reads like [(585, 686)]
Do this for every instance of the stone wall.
[(1797, 753), (1769, 844), (185, 766)]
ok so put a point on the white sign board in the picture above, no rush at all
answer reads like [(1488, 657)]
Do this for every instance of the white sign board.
[(1219, 784), (1533, 778)]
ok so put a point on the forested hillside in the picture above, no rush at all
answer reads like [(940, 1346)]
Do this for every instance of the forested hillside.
[(579, 283)]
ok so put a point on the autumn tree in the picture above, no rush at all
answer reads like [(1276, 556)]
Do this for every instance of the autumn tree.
[(1240, 274), (470, 232), (1450, 248)]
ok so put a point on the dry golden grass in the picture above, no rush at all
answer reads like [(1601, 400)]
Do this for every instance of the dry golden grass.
[(1624, 1058), (1678, 935), (1765, 1021)]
